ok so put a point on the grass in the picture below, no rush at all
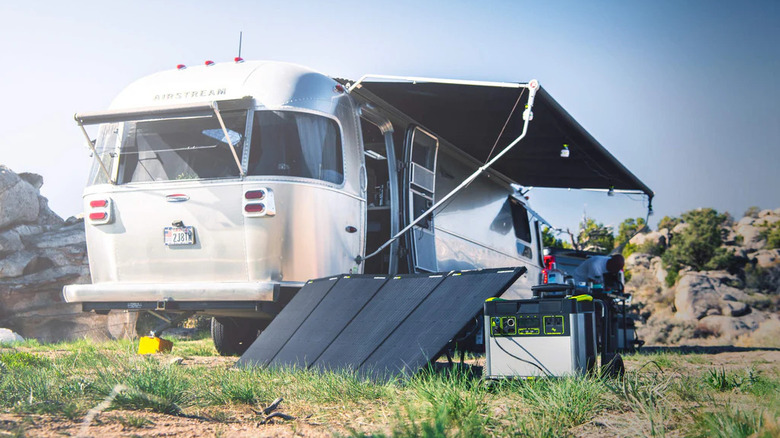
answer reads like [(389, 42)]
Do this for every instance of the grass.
[(659, 395)]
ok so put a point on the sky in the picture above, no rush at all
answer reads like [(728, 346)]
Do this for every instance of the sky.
[(684, 93)]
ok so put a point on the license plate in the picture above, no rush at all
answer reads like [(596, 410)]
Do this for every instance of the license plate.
[(179, 236)]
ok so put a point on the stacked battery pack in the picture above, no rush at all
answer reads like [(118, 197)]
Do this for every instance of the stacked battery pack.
[(540, 337)]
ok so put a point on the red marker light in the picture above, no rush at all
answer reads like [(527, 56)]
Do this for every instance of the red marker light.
[(238, 59), (209, 63), (255, 194), (98, 204), (338, 88), (254, 208), (181, 67), (98, 216)]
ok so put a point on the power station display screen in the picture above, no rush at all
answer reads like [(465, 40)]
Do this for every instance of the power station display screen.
[(528, 322)]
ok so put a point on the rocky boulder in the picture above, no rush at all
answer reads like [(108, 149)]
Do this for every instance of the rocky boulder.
[(39, 254), (700, 294), (9, 336), (19, 200)]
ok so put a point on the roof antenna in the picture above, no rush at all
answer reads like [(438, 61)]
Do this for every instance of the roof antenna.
[(238, 58)]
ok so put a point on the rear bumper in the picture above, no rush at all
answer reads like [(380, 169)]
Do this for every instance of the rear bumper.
[(171, 292)]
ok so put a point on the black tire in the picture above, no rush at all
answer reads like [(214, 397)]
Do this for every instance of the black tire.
[(233, 336), (614, 368)]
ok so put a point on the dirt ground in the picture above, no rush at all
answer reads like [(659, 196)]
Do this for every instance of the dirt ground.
[(240, 423)]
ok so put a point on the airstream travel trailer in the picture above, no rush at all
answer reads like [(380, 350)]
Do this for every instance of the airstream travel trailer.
[(221, 189)]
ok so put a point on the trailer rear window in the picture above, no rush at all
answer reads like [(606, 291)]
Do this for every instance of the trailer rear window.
[(172, 149), (296, 144)]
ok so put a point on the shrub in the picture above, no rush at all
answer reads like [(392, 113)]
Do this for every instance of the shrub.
[(668, 222), (771, 232), (698, 246), (627, 229), (752, 212), (595, 236)]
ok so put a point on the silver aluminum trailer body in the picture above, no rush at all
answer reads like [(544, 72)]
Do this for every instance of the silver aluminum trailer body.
[(313, 225), (237, 254)]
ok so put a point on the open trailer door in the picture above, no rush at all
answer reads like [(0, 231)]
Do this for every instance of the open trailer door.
[(420, 188)]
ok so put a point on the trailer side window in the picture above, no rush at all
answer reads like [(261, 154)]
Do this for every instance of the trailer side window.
[(520, 219), (296, 144)]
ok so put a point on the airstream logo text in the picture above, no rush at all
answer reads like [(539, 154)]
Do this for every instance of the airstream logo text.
[(191, 94)]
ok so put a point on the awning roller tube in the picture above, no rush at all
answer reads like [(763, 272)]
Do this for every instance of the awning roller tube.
[(205, 109)]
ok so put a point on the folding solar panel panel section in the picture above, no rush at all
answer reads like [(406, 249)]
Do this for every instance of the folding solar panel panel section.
[(443, 313), (391, 305), (327, 320), (284, 326)]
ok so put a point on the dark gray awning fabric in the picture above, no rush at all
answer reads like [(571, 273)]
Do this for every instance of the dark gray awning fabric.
[(471, 117)]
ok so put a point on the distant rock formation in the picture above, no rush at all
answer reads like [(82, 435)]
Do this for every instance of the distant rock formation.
[(39, 254), (711, 307)]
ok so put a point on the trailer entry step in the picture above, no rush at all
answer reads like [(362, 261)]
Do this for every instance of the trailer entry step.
[(379, 327)]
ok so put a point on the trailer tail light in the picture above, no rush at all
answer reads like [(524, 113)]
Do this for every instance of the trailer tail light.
[(98, 216), (255, 194), (99, 212), (254, 208), (259, 202)]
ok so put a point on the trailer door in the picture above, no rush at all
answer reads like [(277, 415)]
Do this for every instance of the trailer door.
[(421, 184)]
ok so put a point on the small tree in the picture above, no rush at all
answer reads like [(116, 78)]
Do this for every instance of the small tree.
[(550, 241), (668, 222), (698, 246), (627, 229), (752, 212), (593, 236)]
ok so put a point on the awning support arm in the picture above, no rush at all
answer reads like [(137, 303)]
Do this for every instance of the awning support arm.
[(215, 106), (94, 153), (533, 86)]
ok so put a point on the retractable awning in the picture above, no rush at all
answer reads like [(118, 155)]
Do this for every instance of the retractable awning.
[(471, 117)]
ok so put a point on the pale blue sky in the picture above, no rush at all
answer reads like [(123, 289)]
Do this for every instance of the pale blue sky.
[(684, 93)]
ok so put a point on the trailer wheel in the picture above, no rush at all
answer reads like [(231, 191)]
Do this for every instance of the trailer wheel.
[(232, 336), (614, 368)]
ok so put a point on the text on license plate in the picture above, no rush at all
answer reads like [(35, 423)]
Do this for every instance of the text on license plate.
[(179, 235)]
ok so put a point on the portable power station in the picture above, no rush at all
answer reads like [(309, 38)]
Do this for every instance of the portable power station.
[(540, 337)]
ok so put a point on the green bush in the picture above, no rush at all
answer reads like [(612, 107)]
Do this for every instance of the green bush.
[(595, 236), (550, 241), (771, 232), (668, 222), (627, 229), (698, 246)]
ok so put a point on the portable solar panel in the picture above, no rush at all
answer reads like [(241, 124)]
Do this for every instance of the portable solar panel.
[(282, 328), (383, 314), (327, 320), (430, 327), (375, 326)]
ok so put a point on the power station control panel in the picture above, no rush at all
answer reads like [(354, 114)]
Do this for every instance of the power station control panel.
[(529, 318)]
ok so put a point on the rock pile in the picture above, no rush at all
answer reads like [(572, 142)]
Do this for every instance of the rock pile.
[(711, 307), (39, 254)]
